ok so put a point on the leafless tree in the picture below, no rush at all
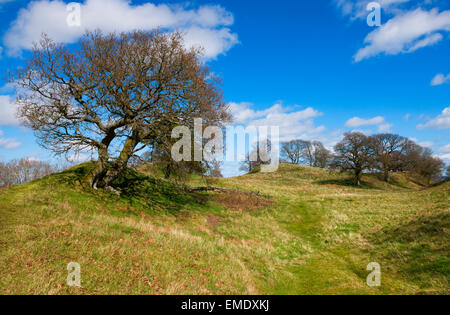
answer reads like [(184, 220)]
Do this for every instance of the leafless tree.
[(419, 160), (114, 92), (322, 156), (292, 151), (305, 152), (430, 167), (257, 156), (214, 169), (355, 153), (298, 152), (389, 150), (21, 171)]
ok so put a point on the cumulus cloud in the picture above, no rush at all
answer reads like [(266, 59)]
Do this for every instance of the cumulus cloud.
[(206, 26), (8, 111), (8, 143), (426, 144), (79, 157), (357, 9), (445, 157), (293, 123), (445, 149), (384, 128), (442, 121), (358, 122), (405, 33), (379, 122), (444, 153), (440, 79)]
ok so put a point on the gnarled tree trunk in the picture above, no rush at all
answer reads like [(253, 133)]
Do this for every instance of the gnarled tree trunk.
[(121, 162), (386, 176), (358, 174), (98, 172)]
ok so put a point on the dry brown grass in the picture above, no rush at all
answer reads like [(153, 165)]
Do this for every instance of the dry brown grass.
[(241, 201)]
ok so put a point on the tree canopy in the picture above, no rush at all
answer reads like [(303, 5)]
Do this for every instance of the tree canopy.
[(114, 94)]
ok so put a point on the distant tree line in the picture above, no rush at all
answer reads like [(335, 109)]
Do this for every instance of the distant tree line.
[(358, 153), (21, 171), (310, 153), (257, 156)]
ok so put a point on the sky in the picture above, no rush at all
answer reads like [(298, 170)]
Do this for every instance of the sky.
[(315, 68)]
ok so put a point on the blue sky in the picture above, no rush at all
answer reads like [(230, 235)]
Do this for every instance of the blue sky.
[(313, 67)]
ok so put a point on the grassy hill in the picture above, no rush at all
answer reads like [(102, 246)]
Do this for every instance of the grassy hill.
[(309, 231)]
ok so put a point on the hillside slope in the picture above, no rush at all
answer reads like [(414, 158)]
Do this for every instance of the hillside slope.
[(315, 235)]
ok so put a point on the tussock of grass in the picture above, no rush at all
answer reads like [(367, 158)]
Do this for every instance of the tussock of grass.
[(316, 235)]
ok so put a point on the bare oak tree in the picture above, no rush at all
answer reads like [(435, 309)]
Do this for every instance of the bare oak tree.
[(292, 151), (299, 152), (259, 155), (114, 93), (306, 152), (355, 153), (322, 156), (389, 150)]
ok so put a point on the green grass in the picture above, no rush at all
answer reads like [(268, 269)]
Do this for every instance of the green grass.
[(316, 235)]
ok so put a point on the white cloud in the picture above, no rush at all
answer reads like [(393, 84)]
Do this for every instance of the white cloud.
[(440, 122), (405, 33), (445, 157), (358, 122), (445, 149), (407, 117), (444, 153), (384, 128), (33, 159), (78, 157), (214, 42), (366, 132), (440, 79), (293, 124), (426, 144), (357, 9), (8, 111), (8, 88), (207, 26), (8, 143)]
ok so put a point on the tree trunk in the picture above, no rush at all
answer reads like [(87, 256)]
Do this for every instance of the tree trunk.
[(386, 176), (167, 171), (96, 175), (121, 163), (358, 178)]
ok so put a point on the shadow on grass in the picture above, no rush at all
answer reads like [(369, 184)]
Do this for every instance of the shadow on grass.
[(347, 182), (422, 243), (392, 181), (141, 191), (168, 195), (423, 227)]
